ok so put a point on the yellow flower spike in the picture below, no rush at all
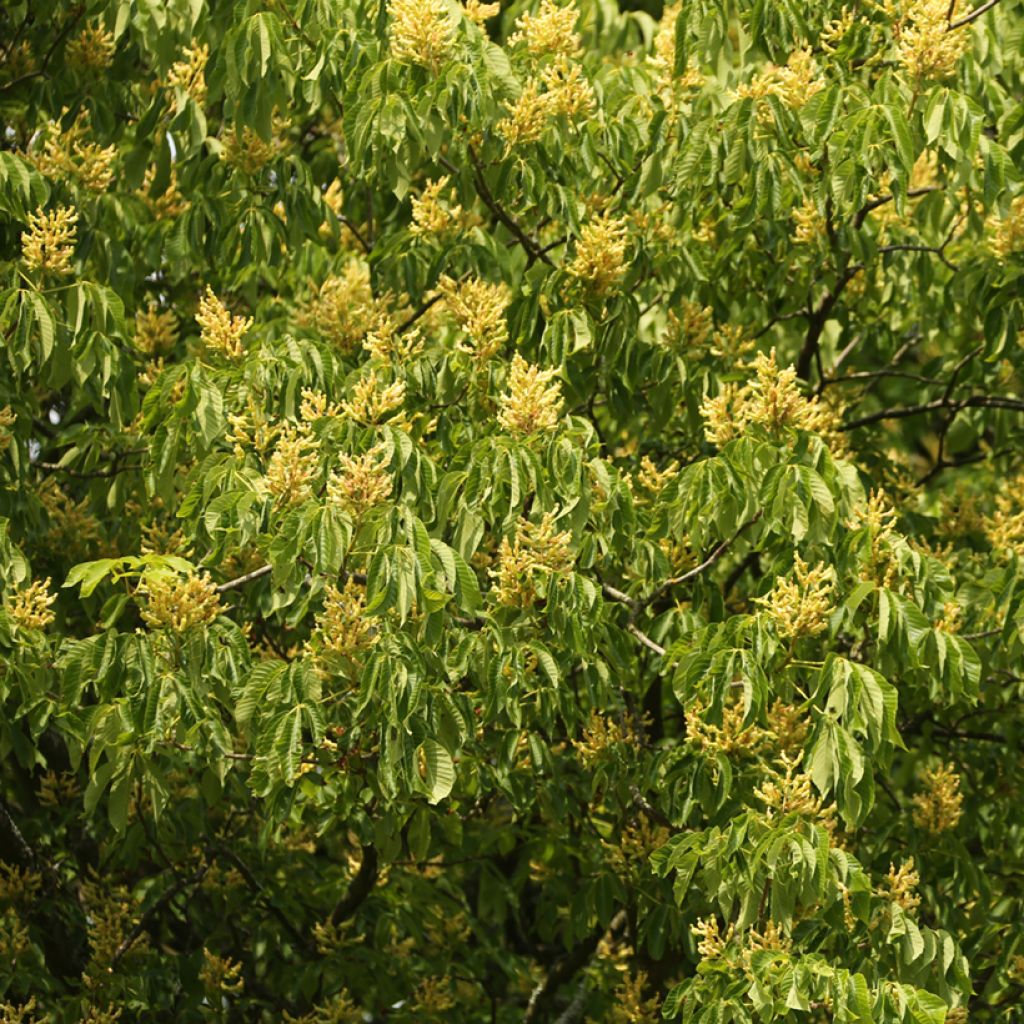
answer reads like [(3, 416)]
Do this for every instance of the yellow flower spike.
[(189, 75), (550, 31), (801, 607), (421, 32), (222, 332), (532, 403), (600, 260), (49, 243), (178, 603), (29, 607), (939, 806)]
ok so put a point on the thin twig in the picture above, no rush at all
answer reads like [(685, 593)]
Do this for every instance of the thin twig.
[(241, 581), (968, 18), (131, 938), (532, 248)]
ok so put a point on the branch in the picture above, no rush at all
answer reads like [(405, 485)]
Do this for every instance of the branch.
[(241, 581), (938, 250), (154, 909), (359, 888), (532, 248), (93, 474), (634, 606), (817, 319), (650, 644), (367, 247), (874, 204), (899, 413), (715, 555), (253, 883), (406, 324), (76, 14), (968, 18), (543, 996)]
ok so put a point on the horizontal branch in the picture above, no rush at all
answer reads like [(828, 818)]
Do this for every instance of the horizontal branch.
[(241, 581), (903, 412)]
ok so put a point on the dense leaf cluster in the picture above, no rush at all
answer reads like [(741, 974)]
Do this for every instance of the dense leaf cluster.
[(511, 512)]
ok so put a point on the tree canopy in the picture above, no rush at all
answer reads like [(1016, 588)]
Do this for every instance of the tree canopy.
[(511, 512)]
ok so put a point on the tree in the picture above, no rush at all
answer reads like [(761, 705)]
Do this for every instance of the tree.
[(511, 514)]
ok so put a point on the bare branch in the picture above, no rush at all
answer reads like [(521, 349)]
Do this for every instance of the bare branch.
[(241, 581), (974, 15)]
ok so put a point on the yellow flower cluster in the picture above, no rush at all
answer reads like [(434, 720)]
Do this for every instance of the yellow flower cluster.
[(600, 260), (537, 551), (771, 401), (19, 61), (72, 524), (532, 403), (7, 420), (653, 479), (802, 606), (421, 32), (568, 91), (1007, 233), (188, 76), (811, 226), (1004, 528), (362, 482), (878, 517), (29, 607), (292, 466), (663, 59), (156, 330), (432, 218), (792, 792), (901, 885), (732, 738), (178, 603), (91, 50), (599, 734), (343, 630), (926, 47), (939, 807), (221, 332), (552, 30), (220, 974), (794, 83), (251, 429), (345, 310), (633, 845), (23, 1014), (712, 942), (565, 92), (49, 243), (478, 12), (67, 155), (479, 309), (528, 116), (248, 151), (169, 203), (315, 406), (787, 727), (391, 344), (110, 914), (629, 1005), (338, 1009), (371, 402), (690, 328)]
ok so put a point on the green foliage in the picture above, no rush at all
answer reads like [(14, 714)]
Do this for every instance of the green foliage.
[(511, 512)]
